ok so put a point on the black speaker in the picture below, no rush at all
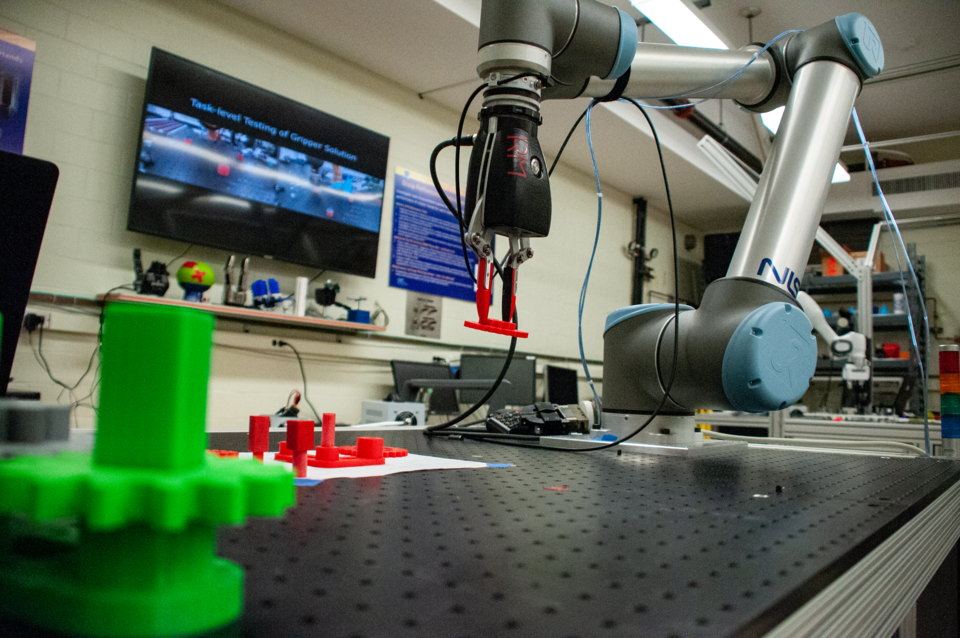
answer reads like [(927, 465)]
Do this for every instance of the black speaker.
[(26, 192)]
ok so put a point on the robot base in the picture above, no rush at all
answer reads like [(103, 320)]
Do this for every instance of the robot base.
[(667, 435)]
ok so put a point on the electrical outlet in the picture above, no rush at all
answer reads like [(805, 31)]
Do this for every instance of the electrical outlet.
[(33, 319)]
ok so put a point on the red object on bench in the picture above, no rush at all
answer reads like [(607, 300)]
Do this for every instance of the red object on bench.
[(224, 454), (299, 442), (368, 450), (258, 440)]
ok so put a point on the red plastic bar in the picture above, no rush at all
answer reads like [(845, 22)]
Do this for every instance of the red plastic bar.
[(300, 440), (258, 440), (329, 430)]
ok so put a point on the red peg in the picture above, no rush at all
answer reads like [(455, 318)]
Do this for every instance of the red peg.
[(299, 441), (258, 440), (328, 433)]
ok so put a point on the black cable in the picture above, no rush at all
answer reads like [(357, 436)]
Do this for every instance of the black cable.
[(463, 141), (42, 360), (185, 250), (676, 322), (317, 275), (566, 139), (456, 168), (93, 389), (478, 422), (673, 233), (487, 436), (676, 295), (460, 216), (486, 397), (97, 349), (434, 430), (429, 431), (304, 376), (446, 200)]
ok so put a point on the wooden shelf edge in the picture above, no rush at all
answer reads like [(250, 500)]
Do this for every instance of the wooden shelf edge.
[(237, 312), (362, 330)]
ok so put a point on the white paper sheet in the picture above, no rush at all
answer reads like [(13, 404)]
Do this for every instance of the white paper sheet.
[(409, 463)]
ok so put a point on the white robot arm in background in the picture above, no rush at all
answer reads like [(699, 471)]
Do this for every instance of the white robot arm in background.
[(850, 348)]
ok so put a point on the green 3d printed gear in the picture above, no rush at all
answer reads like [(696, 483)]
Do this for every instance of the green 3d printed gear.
[(121, 542)]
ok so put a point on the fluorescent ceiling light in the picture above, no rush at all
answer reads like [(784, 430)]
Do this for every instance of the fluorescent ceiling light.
[(771, 120), (840, 174), (679, 23)]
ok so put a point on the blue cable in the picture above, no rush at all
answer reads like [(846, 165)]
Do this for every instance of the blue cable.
[(894, 231), (733, 77), (596, 174), (586, 279)]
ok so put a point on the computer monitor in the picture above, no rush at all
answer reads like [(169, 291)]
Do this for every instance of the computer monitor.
[(442, 400), (26, 192), (560, 385), (522, 376)]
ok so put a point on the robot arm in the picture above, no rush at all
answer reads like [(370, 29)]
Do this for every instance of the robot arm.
[(748, 347), (524, 46)]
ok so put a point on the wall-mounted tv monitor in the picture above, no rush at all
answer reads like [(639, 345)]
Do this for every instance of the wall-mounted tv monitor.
[(227, 164)]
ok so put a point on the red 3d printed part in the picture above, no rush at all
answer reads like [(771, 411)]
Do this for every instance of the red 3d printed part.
[(258, 441), (299, 442), (328, 430), (224, 454), (388, 452), (485, 323), (368, 450)]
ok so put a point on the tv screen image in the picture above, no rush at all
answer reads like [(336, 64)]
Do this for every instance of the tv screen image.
[(227, 164)]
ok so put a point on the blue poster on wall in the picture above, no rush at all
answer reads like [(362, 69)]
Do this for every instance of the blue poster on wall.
[(16, 71), (425, 252)]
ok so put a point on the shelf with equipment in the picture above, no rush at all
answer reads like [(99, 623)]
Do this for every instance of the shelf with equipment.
[(881, 322), (252, 316), (882, 282), (241, 313), (890, 324), (881, 367)]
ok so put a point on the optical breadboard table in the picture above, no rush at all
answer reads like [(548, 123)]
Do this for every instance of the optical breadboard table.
[(599, 544)]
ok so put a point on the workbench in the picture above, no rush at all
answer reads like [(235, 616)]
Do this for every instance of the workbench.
[(764, 542), (600, 544)]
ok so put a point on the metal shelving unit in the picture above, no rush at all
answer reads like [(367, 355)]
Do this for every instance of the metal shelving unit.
[(891, 323)]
